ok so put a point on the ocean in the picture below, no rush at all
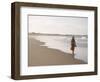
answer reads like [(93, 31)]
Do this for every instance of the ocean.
[(63, 43)]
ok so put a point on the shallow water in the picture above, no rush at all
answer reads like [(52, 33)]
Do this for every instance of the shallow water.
[(62, 43)]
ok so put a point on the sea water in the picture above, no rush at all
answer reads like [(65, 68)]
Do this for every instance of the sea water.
[(63, 43)]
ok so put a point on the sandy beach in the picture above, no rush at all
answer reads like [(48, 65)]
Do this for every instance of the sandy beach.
[(43, 56)]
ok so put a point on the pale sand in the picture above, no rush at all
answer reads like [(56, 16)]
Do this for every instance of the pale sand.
[(43, 56)]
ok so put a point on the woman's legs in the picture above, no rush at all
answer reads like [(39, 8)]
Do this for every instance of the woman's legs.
[(72, 52)]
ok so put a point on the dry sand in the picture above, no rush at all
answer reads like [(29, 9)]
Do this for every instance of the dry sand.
[(43, 56)]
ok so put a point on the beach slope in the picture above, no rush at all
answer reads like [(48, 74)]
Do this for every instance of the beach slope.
[(44, 56)]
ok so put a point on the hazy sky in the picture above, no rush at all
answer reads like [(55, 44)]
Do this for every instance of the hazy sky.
[(58, 25)]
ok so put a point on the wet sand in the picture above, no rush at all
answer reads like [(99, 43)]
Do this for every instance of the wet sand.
[(43, 56)]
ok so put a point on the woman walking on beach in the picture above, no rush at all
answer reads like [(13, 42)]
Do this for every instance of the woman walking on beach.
[(73, 44)]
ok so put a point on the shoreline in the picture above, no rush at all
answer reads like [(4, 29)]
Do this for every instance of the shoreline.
[(44, 56)]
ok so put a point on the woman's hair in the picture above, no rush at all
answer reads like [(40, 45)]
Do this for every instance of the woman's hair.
[(73, 39)]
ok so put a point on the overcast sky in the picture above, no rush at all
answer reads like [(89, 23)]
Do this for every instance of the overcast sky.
[(58, 25)]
